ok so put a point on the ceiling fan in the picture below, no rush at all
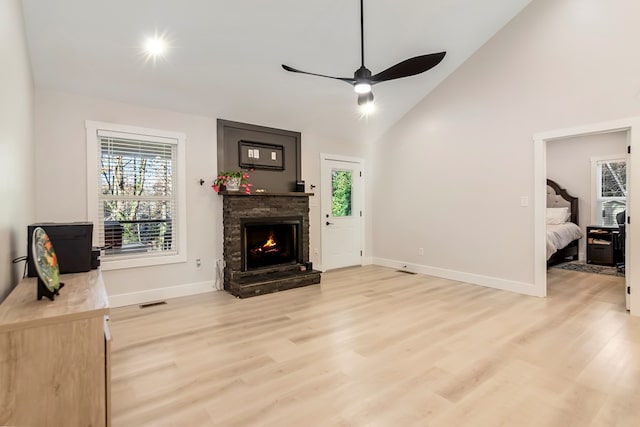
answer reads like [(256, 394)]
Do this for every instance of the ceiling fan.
[(363, 80)]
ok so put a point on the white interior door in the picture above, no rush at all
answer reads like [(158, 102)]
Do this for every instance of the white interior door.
[(341, 199), (627, 240)]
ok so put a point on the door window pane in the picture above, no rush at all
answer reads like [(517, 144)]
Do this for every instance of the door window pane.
[(341, 192)]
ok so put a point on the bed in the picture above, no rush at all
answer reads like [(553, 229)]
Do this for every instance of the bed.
[(563, 232)]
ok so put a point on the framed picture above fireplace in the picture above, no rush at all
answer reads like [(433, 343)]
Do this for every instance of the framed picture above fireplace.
[(258, 155)]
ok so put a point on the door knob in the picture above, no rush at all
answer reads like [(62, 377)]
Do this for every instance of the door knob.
[(328, 223)]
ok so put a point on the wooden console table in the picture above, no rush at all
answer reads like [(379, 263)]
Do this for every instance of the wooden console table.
[(55, 356)]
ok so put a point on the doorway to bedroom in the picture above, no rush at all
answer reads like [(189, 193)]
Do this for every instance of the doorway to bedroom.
[(591, 164), (591, 168), (588, 171)]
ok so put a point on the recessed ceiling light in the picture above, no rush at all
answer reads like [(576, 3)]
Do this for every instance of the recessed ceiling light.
[(155, 46)]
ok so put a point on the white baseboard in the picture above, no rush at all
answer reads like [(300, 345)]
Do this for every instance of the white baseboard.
[(459, 276), (160, 294), (365, 261)]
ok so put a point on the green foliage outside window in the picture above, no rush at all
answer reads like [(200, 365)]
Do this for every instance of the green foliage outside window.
[(341, 193)]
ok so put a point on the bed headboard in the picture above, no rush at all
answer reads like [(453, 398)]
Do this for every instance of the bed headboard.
[(558, 197)]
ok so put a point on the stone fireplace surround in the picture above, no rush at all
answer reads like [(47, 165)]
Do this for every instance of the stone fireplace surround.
[(238, 206)]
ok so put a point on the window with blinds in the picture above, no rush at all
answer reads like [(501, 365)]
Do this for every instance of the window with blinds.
[(136, 195), (137, 204)]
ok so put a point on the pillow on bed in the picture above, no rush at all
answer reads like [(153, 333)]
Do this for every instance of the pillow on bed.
[(558, 215)]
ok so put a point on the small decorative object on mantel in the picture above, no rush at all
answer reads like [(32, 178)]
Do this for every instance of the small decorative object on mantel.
[(232, 181)]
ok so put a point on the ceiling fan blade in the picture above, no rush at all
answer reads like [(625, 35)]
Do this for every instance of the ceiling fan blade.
[(344, 79), (409, 67)]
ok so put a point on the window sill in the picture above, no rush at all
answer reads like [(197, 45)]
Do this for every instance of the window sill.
[(148, 261)]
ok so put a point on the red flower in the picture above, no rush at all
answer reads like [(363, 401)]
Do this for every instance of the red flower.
[(247, 187)]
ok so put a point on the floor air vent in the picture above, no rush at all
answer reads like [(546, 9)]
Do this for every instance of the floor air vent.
[(152, 304)]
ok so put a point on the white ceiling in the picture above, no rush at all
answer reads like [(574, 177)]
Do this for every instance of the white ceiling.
[(226, 55)]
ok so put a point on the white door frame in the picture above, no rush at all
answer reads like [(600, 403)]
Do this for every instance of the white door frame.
[(360, 161), (632, 255)]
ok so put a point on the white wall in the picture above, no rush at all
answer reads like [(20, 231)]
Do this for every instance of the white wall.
[(62, 189), (569, 165), (16, 144), (450, 175), (61, 185)]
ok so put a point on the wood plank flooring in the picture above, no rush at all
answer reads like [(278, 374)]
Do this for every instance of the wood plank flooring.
[(372, 346)]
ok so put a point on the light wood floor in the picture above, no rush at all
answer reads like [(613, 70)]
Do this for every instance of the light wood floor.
[(372, 346)]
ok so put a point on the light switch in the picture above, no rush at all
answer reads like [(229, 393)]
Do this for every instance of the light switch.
[(256, 154), (273, 155), (524, 201), (250, 153)]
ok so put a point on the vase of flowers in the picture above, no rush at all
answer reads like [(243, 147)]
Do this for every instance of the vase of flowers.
[(233, 184), (232, 181)]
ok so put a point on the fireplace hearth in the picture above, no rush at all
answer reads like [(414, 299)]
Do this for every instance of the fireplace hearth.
[(266, 243)]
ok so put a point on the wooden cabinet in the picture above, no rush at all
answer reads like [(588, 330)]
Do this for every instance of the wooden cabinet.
[(54, 355), (603, 245)]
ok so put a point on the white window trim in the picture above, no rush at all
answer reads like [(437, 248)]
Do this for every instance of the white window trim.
[(92, 128), (596, 216)]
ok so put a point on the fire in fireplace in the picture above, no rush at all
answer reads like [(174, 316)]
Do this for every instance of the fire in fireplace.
[(270, 242)]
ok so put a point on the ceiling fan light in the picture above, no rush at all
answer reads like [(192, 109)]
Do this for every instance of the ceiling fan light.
[(365, 99), (367, 109), (362, 87)]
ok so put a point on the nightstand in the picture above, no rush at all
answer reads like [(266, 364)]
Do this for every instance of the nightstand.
[(603, 246)]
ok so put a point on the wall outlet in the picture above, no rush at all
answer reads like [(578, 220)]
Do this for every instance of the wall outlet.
[(198, 263), (420, 251), (315, 251)]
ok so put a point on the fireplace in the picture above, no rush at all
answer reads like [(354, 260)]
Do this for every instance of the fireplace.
[(269, 242), (266, 243)]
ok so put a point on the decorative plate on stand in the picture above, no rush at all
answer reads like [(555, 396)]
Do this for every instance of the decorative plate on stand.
[(46, 262)]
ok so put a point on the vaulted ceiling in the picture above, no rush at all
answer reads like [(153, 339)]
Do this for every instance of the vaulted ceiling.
[(225, 56)]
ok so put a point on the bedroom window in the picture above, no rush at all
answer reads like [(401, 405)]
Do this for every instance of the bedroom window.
[(610, 190), (136, 194)]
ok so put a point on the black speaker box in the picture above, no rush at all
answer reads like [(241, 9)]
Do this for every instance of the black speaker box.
[(71, 242)]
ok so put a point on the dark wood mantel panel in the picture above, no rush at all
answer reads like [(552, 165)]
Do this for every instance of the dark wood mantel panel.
[(272, 180)]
